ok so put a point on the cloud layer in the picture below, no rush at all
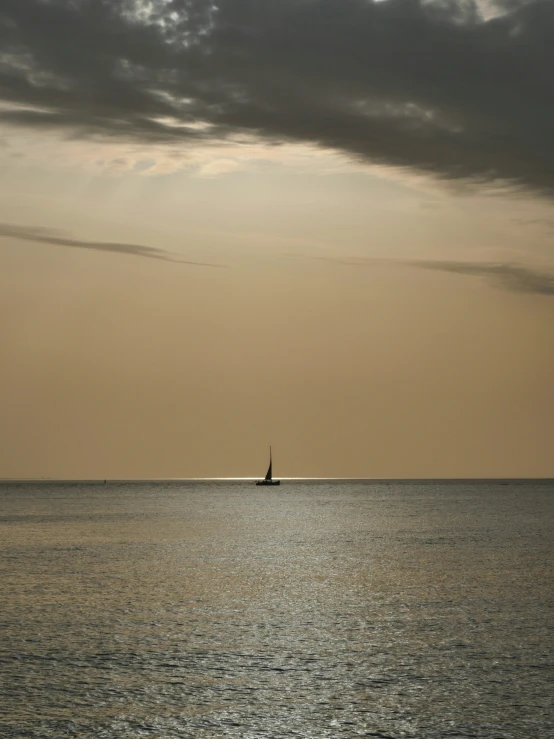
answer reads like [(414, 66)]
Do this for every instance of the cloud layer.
[(53, 237), (427, 85)]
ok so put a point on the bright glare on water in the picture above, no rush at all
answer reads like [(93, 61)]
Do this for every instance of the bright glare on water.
[(328, 609)]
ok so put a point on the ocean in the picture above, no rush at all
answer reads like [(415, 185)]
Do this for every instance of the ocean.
[(214, 609)]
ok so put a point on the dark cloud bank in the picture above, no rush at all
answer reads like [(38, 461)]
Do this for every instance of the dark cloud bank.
[(421, 84), (40, 235)]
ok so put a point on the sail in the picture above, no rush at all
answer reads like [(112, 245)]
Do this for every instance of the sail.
[(268, 479), (268, 476)]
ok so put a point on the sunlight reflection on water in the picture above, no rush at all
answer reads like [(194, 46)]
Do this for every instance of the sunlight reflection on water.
[(315, 610)]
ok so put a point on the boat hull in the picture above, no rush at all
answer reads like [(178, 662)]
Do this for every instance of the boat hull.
[(268, 482)]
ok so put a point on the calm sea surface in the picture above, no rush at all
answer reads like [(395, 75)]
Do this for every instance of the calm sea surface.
[(329, 609)]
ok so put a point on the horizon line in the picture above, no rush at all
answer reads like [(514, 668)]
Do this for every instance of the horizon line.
[(91, 480)]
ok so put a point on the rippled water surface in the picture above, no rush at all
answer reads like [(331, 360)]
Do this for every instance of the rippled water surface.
[(313, 610)]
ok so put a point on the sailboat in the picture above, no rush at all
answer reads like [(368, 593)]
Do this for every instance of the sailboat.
[(268, 479)]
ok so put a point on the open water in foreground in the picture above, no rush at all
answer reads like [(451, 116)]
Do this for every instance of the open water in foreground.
[(313, 610)]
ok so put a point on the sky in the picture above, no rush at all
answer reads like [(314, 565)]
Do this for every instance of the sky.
[(324, 225)]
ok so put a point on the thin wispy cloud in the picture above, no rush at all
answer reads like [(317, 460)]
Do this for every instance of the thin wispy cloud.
[(514, 277), (547, 223), (427, 85), (40, 235), (510, 276)]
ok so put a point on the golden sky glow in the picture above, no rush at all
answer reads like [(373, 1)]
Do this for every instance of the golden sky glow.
[(170, 309)]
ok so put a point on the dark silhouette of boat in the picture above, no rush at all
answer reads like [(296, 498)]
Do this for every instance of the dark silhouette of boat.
[(268, 479)]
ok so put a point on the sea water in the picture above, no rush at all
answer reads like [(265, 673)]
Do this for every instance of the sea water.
[(321, 609)]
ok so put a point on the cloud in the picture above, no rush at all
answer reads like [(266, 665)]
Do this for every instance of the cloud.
[(53, 237), (508, 276), (425, 85), (218, 167), (511, 276), (546, 222)]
